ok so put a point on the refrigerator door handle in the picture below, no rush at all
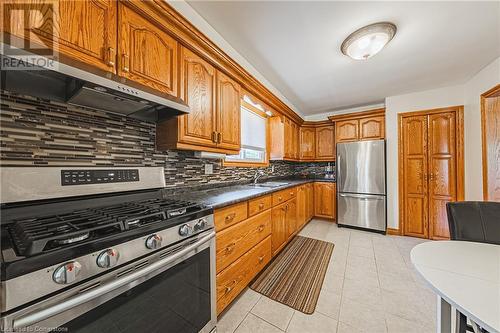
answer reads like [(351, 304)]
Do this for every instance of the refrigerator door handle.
[(362, 196)]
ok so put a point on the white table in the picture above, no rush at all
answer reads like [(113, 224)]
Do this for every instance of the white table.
[(465, 275)]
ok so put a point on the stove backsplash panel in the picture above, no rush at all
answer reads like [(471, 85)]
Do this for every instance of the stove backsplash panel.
[(36, 132)]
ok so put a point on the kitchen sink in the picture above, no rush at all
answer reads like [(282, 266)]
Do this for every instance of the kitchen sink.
[(270, 184)]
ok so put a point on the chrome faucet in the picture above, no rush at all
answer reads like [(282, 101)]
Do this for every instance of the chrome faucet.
[(258, 174)]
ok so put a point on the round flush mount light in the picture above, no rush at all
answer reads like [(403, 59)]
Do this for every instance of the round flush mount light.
[(364, 43)]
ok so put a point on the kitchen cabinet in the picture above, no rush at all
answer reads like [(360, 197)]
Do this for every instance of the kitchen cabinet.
[(146, 53), (302, 209), (86, 31), (325, 199), (325, 143), (310, 201), (291, 218), (213, 123), (307, 143), (284, 139), (430, 160), (367, 125), (347, 130), (279, 230)]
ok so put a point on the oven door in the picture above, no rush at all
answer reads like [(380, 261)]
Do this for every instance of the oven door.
[(171, 291)]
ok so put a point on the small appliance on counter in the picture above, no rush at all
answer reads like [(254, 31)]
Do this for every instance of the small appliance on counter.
[(329, 171), (361, 185), (103, 249)]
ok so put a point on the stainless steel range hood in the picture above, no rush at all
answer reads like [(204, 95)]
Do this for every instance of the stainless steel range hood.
[(93, 89)]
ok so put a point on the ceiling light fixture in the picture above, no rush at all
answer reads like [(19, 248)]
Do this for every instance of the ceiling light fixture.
[(364, 43)]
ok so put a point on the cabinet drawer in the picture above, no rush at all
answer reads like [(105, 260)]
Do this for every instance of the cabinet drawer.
[(232, 280), (258, 205), (284, 195), (228, 216), (238, 239)]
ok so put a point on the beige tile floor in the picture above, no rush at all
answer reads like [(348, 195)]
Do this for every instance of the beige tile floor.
[(370, 286)]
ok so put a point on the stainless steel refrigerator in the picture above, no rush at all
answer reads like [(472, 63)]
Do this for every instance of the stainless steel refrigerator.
[(361, 185)]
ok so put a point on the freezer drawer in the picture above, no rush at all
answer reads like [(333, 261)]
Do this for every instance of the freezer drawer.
[(361, 210)]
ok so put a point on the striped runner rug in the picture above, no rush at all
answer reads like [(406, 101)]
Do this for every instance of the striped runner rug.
[(296, 275)]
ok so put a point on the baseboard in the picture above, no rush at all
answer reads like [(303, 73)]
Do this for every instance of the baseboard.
[(391, 231)]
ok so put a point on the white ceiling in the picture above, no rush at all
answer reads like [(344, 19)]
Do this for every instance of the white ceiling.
[(296, 46)]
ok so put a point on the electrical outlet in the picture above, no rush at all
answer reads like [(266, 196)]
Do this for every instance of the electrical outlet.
[(272, 168), (209, 169)]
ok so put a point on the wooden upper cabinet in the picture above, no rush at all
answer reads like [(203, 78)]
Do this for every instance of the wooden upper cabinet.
[(347, 130), (284, 138), (295, 141), (83, 30), (325, 143), (228, 112), (288, 140), (307, 143), (146, 53), (324, 200), (372, 128), (198, 79)]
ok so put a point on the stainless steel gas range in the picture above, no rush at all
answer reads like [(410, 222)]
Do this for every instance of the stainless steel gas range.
[(103, 250)]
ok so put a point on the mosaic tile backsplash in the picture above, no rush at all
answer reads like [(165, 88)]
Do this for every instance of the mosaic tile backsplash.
[(35, 132)]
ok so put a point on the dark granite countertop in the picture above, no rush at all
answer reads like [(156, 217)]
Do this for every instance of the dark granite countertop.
[(229, 195)]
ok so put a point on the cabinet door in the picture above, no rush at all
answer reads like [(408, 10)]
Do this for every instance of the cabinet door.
[(310, 201), (325, 145), (307, 143), (228, 112), (302, 205), (279, 230), (347, 130), (291, 217), (198, 91), (296, 145), (147, 54), (324, 200), (414, 183), (81, 30), (372, 128), (442, 171), (288, 138)]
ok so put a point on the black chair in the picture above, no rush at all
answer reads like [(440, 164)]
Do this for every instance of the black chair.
[(474, 221)]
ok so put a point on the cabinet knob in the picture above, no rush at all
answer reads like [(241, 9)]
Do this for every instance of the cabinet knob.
[(261, 227), (230, 248), (111, 57), (261, 205), (126, 63), (230, 217), (261, 258)]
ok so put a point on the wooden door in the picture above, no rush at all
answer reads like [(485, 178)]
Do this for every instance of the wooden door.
[(302, 213), (324, 200), (490, 119), (442, 171), (198, 91), (81, 30), (325, 143), (288, 138), (347, 130), (146, 53), (228, 112), (310, 201), (372, 128), (291, 217), (307, 143), (279, 229), (295, 141), (415, 174)]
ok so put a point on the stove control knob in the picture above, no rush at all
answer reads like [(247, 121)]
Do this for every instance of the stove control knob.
[(185, 230), (67, 273), (153, 242), (200, 225), (108, 258)]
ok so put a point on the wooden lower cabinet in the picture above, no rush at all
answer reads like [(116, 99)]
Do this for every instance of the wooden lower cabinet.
[(232, 280), (324, 199), (302, 213), (228, 216), (234, 241), (279, 230), (310, 201), (291, 218)]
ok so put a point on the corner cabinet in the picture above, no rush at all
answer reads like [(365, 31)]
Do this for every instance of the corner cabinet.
[(284, 138), (360, 126), (325, 143), (307, 143), (146, 53), (86, 31), (213, 123)]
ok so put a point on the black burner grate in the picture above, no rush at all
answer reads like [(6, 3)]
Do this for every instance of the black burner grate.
[(35, 235)]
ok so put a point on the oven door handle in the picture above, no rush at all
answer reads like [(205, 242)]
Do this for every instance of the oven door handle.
[(51, 311)]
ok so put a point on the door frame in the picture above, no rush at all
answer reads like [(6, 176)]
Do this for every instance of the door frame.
[(459, 112), (490, 93)]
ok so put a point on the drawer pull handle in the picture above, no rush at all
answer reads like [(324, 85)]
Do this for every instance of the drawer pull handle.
[(230, 248), (230, 217), (261, 205), (126, 63), (261, 227), (230, 287), (280, 198), (111, 56), (261, 259), (292, 194)]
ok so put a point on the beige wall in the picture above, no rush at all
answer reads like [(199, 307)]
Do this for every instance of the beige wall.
[(468, 95)]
